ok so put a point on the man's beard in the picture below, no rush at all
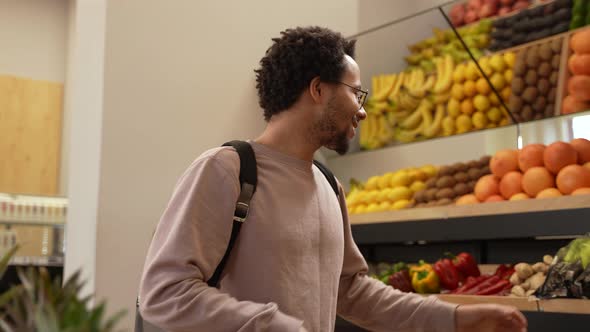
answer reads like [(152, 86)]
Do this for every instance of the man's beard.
[(327, 130)]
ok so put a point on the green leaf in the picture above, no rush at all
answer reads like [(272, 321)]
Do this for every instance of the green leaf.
[(6, 258)]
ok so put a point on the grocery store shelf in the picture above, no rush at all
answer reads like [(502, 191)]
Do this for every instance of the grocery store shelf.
[(33, 223), (37, 261), (522, 303), (568, 306), (484, 209), (560, 216)]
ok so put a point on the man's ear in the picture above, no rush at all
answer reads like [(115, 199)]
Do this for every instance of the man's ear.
[(315, 89)]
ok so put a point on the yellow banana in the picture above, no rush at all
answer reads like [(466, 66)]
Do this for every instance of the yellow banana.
[(412, 121), (397, 86), (429, 84), (444, 71), (407, 101), (434, 128), (385, 133), (386, 85), (419, 91), (364, 133), (374, 141), (406, 136), (410, 79), (440, 98), (426, 109)]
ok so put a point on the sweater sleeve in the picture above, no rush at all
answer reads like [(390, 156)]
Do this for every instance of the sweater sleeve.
[(187, 246), (373, 305)]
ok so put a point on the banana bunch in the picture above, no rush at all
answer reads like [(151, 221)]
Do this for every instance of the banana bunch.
[(406, 106), (417, 84), (376, 131), (386, 86), (444, 73)]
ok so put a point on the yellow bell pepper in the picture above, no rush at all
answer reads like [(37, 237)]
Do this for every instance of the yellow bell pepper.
[(422, 266), (424, 279)]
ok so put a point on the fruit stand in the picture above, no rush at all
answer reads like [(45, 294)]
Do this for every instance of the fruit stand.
[(477, 143)]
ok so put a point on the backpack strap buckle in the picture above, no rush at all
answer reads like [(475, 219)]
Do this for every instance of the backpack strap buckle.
[(243, 203)]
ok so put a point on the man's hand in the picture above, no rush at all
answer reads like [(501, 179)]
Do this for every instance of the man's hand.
[(489, 318)]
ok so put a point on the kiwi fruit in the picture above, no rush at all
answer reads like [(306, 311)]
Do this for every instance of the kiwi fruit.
[(484, 161), (420, 196), (445, 182), (515, 103), (538, 116), (431, 183), (473, 173), (551, 95), (460, 167), (556, 46), (545, 52), (519, 66), (430, 194), (555, 61), (445, 170), (543, 86), (471, 185), (517, 117), (517, 85), (485, 170), (535, 12), (461, 177), (553, 78), (539, 104), (527, 113), (444, 201), (549, 110), (532, 60), (445, 193), (530, 94), (531, 77), (471, 163), (544, 69), (461, 189)]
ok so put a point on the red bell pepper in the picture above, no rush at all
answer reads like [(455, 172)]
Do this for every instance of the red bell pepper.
[(447, 273), (504, 271), (401, 280), (484, 285), (466, 264), (469, 284), (494, 288)]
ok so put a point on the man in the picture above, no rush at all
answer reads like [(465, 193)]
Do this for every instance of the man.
[(294, 266)]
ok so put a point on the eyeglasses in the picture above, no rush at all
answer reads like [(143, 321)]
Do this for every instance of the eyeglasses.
[(361, 95)]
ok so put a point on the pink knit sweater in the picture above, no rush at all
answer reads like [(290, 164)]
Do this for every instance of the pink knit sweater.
[(294, 266)]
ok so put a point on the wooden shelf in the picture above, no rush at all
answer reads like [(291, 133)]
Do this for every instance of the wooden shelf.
[(566, 306), (522, 303), (483, 209)]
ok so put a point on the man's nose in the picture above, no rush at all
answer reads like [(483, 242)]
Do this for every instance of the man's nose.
[(362, 114)]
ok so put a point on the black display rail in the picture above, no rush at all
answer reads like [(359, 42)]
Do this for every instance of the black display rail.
[(495, 233)]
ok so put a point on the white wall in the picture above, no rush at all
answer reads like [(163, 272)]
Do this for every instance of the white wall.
[(33, 38), (178, 79)]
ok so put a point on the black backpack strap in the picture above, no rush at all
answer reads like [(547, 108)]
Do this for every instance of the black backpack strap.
[(248, 181), (329, 176)]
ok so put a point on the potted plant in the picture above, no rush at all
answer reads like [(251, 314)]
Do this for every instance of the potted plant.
[(42, 304)]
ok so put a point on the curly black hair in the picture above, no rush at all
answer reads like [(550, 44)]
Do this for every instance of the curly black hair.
[(293, 60)]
